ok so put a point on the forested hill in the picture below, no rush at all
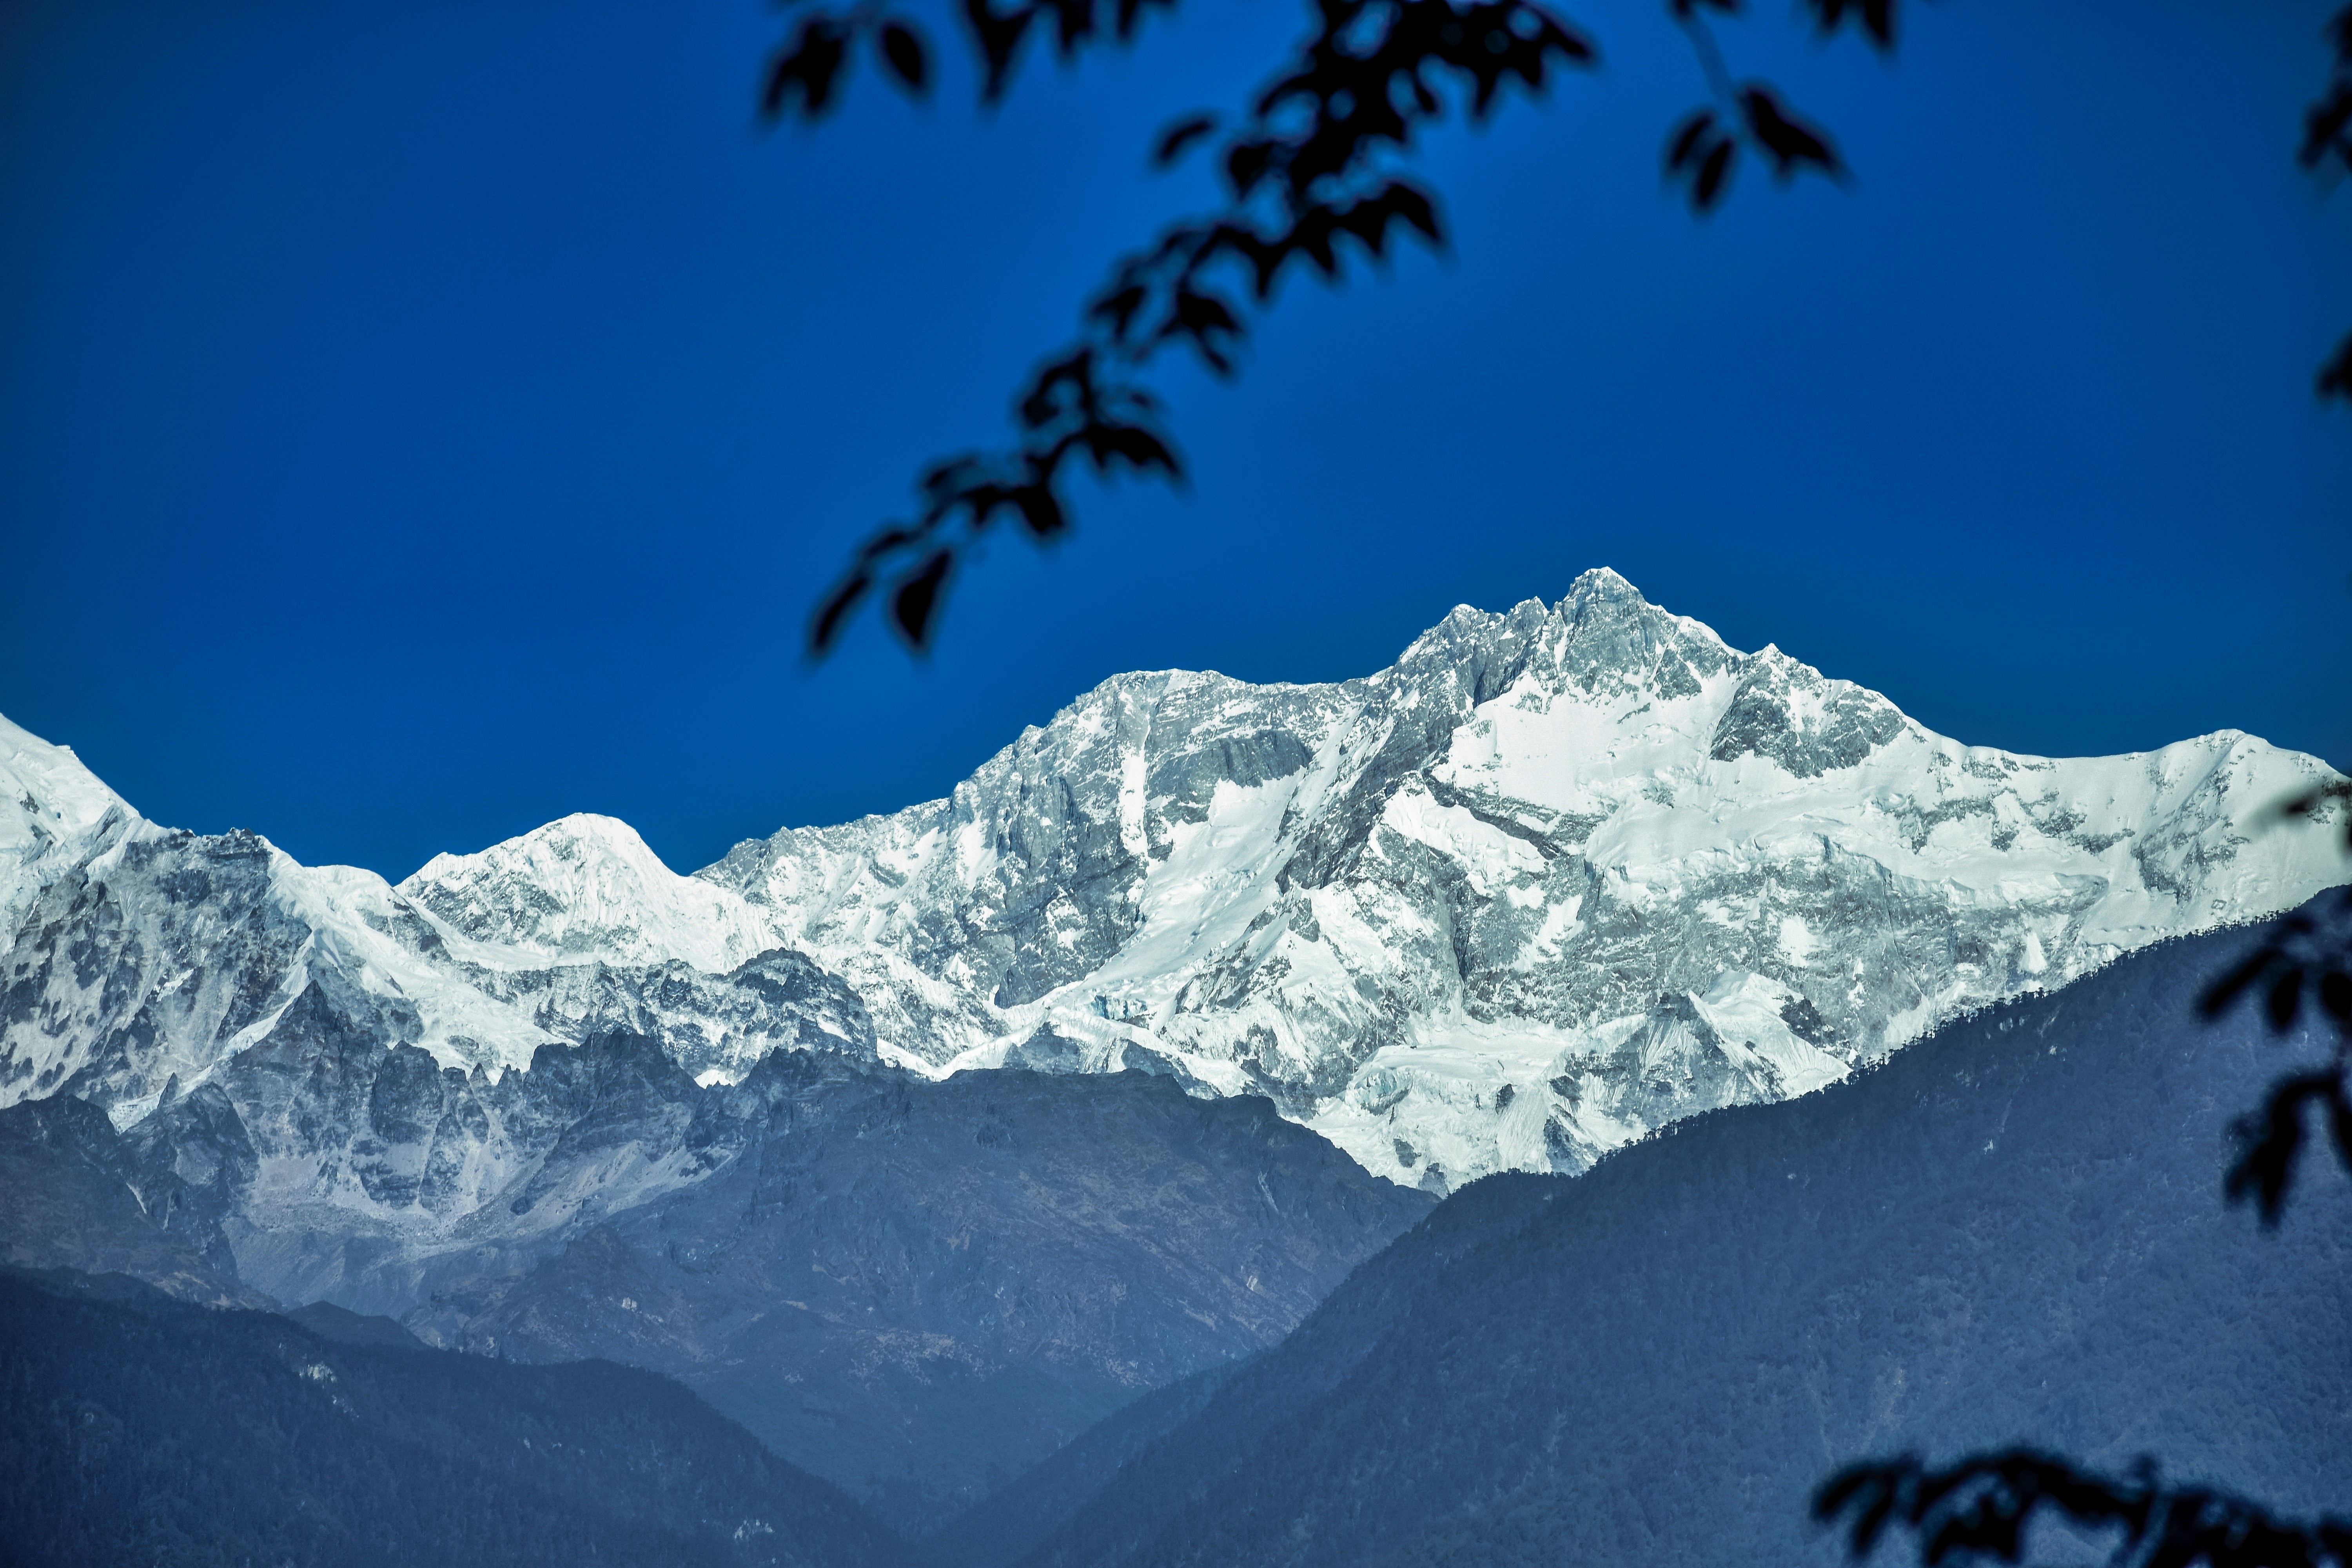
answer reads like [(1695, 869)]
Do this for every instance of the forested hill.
[(2012, 1231), (134, 1428)]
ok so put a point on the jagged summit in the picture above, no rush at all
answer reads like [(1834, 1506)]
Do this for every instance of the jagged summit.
[(1559, 874), (585, 888)]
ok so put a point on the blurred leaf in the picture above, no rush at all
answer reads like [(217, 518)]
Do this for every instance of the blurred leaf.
[(1118, 308), (1415, 207), (806, 70), (2335, 376), (2284, 1002), (2324, 127), (2335, 996), (1876, 16), (998, 34), (1686, 141), (2219, 996), (1174, 140), (2271, 1140), (826, 625), (1131, 13), (903, 52), (1210, 323), (1131, 444), (1707, 189), (1787, 141), (1246, 163), (1073, 23), (1041, 511), (916, 602)]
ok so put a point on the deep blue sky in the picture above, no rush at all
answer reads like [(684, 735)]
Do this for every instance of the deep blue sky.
[(421, 420)]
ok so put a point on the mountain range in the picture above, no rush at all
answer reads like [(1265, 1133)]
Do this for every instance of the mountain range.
[(1555, 878), (137, 1428), (920, 1145)]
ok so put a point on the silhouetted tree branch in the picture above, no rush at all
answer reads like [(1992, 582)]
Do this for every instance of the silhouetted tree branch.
[(2327, 139), (1310, 172), (1984, 1507), (2304, 955)]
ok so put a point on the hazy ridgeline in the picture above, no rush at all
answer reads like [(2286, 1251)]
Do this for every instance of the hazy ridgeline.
[(915, 1290), (136, 1428)]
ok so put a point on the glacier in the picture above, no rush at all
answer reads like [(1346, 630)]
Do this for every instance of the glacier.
[(1557, 878)]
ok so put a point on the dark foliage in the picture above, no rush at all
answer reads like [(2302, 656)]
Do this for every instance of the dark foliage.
[(134, 1428), (2307, 954), (1703, 150), (1310, 176), (1985, 1506)]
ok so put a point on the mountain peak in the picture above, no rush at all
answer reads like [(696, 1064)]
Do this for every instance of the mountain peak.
[(586, 887), (49, 788), (1454, 913), (53, 811), (1600, 585)]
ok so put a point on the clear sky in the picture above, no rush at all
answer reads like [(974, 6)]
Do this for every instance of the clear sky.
[(421, 420)]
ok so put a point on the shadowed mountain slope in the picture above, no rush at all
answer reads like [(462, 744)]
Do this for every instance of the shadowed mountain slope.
[(135, 1429), (1009, 1523), (2014, 1230), (920, 1289), (915, 1290)]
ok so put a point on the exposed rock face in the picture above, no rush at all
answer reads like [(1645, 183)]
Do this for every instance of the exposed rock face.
[(920, 1289), (75, 1194), (249, 1080), (586, 887)]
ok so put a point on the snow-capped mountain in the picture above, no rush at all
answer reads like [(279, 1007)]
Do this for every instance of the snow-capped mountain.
[(1555, 878), (143, 958), (586, 889)]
